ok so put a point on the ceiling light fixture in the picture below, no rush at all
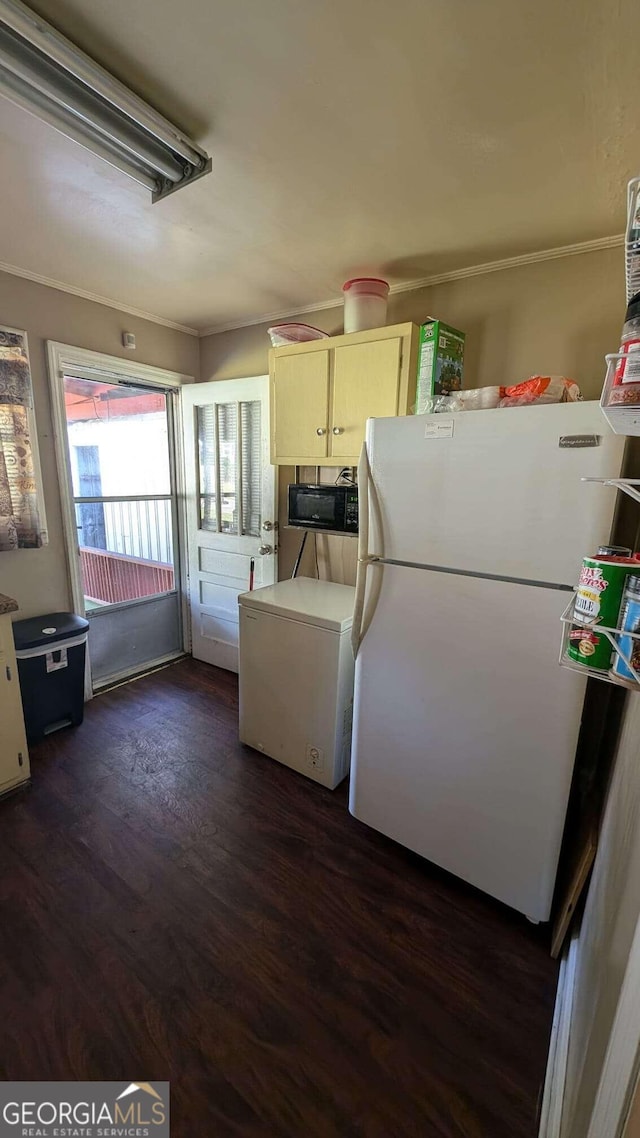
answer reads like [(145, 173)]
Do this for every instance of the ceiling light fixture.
[(47, 75)]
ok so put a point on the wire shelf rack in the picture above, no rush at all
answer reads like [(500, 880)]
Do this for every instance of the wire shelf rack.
[(630, 486), (570, 621), (623, 418)]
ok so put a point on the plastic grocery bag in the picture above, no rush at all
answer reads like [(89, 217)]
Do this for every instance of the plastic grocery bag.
[(541, 389)]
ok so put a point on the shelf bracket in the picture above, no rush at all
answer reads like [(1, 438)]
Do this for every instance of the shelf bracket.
[(629, 486)]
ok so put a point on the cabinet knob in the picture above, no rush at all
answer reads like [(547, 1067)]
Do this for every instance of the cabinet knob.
[(321, 430), (338, 430)]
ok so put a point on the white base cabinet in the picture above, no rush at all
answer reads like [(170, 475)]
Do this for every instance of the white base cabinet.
[(14, 757)]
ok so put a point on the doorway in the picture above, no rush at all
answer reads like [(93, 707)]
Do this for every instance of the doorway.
[(231, 504), (118, 437)]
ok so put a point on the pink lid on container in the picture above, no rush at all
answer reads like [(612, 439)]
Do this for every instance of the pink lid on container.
[(294, 333), (372, 286)]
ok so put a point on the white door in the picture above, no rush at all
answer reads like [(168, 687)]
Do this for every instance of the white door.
[(230, 508)]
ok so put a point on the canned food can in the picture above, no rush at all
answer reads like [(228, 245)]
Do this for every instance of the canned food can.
[(613, 551), (598, 600)]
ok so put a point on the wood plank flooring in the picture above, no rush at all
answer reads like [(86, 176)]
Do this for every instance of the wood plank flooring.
[(175, 906)]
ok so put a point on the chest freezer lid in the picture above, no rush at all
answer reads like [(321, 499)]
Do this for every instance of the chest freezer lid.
[(323, 603)]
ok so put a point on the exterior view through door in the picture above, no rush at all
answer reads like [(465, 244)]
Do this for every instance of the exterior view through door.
[(121, 470), (230, 503)]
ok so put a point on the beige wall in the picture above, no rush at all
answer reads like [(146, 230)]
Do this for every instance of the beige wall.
[(37, 578), (556, 317)]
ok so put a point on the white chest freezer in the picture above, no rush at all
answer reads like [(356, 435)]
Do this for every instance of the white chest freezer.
[(296, 675)]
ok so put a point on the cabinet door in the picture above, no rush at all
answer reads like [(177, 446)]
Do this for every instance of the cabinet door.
[(366, 382), (300, 408), (14, 758)]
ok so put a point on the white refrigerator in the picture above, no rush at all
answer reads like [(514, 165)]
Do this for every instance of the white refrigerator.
[(472, 531)]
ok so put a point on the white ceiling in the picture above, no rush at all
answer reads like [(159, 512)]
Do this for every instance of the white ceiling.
[(348, 136)]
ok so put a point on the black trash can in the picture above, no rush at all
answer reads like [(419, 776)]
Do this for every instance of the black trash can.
[(50, 651)]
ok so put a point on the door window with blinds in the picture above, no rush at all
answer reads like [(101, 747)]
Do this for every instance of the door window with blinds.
[(229, 448)]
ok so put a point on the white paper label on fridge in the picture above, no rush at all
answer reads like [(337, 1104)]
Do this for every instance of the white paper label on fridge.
[(443, 430)]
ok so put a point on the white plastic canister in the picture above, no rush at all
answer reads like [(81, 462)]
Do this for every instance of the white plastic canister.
[(365, 303)]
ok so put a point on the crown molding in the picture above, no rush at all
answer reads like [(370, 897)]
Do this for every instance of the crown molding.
[(612, 242), (50, 282), (575, 250)]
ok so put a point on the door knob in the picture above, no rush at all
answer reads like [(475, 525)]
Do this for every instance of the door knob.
[(321, 430), (338, 430), (268, 526), (264, 550)]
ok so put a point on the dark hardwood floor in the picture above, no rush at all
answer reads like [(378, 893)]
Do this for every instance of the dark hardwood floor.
[(176, 906)]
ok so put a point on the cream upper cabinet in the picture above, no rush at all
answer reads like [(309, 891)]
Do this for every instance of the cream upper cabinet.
[(14, 757), (323, 392), (300, 407), (366, 380)]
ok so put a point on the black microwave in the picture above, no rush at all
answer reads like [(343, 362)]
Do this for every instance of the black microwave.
[(332, 509)]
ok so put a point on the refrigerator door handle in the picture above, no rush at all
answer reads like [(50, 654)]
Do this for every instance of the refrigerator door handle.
[(364, 476), (368, 505), (358, 607), (363, 549), (365, 497)]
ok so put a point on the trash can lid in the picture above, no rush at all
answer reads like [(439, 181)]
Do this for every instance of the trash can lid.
[(37, 631)]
